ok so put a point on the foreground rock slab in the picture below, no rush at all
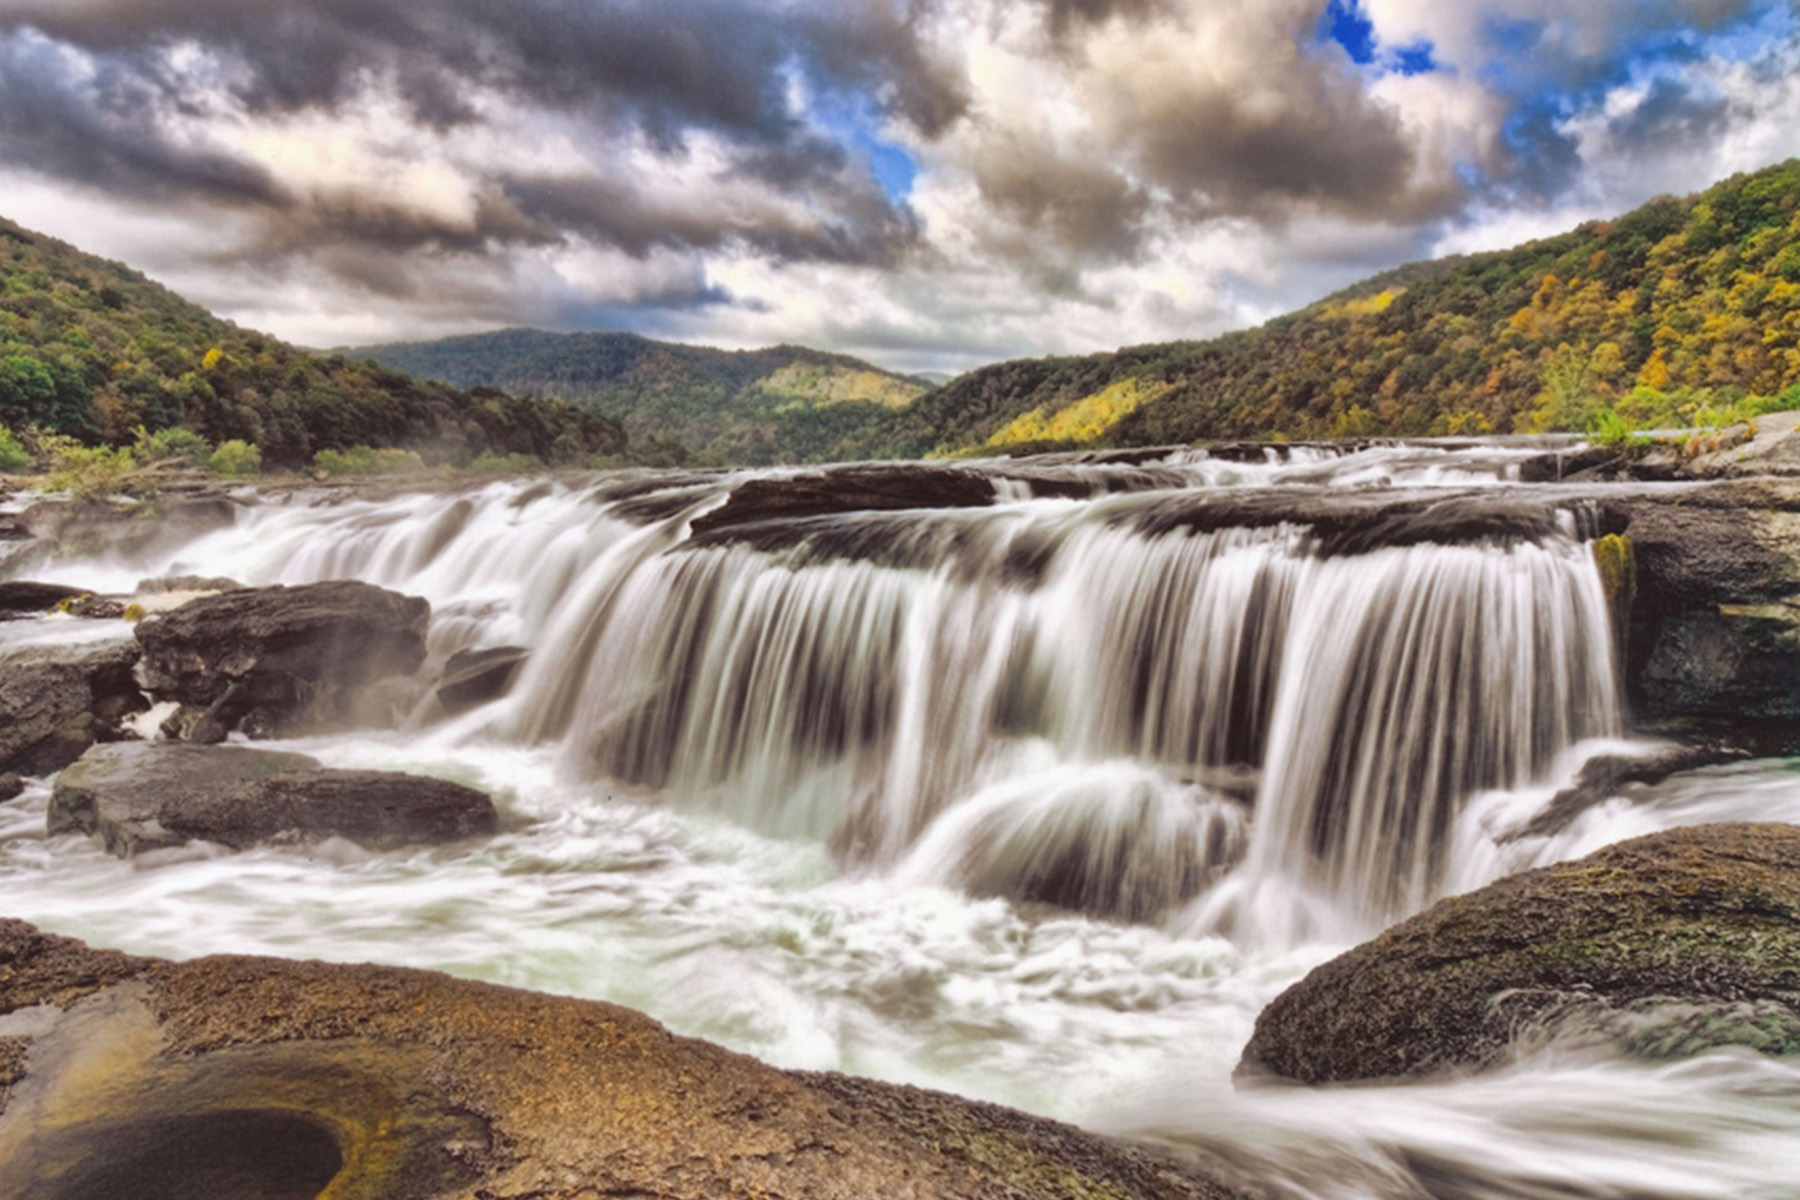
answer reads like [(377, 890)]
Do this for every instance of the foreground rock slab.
[(230, 1077), (295, 657), (139, 796), (1666, 945)]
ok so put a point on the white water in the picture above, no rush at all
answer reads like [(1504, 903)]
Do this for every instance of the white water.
[(745, 791)]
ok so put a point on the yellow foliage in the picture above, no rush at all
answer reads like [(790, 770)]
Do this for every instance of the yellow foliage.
[(212, 359), (1086, 420)]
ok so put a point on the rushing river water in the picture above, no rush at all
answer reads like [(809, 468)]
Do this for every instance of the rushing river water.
[(1039, 802)]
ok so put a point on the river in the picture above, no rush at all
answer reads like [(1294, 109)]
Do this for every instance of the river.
[(1039, 802)]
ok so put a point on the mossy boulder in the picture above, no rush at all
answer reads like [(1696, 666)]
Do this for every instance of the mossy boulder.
[(228, 1077), (1666, 944)]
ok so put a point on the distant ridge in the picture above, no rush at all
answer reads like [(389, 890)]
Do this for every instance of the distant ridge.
[(1678, 311), (785, 403), (93, 349)]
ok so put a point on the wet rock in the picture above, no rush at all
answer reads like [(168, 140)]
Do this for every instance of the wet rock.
[(133, 533), (382, 1084), (153, 795), (28, 599), (94, 608), (1713, 643), (57, 699), (1607, 775), (164, 584), (299, 653), (1346, 523), (879, 488), (1666, 944), (1580, 463), (474, 677), (1768, 446), (11, 787)]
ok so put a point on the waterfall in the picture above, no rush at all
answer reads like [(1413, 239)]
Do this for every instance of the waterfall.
[(1103, 669)]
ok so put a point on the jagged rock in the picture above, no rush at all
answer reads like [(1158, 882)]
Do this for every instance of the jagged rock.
[(1667, 944), (299, 653), (27, 599), (474, 677), (152, 795), (57, 699), (228, 1077)]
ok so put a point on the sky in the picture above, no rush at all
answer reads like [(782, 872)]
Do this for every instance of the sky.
[(929, 184)]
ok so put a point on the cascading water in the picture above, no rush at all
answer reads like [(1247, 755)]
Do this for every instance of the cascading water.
[(962, 796)]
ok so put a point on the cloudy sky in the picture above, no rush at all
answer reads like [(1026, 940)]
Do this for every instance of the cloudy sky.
[(931, 184)]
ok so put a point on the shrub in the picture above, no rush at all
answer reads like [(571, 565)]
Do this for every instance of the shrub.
[(363, 460), (1608, 428), (173, 442), (13, 457), (506, 464), (235, 459), (89, 471)]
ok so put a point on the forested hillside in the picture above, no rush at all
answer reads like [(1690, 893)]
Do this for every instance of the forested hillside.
[(782, 404), (93, 350), (1683, 311)]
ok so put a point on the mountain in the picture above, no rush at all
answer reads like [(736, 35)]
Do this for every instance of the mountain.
[(782, 404), (92, 349), (1682, 312)]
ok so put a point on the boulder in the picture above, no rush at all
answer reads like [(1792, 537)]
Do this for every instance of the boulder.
[(1713, 639), (227, 1077), (299, 654), (57, 699), (152, 795), (11, 787), (474, 677), (1667, 944), (23, 598)]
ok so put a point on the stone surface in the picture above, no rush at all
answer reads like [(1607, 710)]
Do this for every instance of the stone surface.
[(11, 787), (1713, 643), (57, 699), (429, 1087), (474, 677), (884, 487), (1666, 944), (24, 598), (298, 654), (152, 795)]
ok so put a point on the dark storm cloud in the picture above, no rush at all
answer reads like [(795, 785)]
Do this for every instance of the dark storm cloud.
[(665, 64), (1673, 115), (868, 230), (101, 130), (1323, 145), (660, 71), (1065, 16)]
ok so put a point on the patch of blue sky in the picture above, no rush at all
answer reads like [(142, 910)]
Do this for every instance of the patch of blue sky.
[(1770, 23), (853, 122), (1345, 23)]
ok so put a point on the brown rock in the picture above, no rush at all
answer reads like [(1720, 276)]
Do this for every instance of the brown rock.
[(1667, 944), (300, 653), (244, 1076)]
